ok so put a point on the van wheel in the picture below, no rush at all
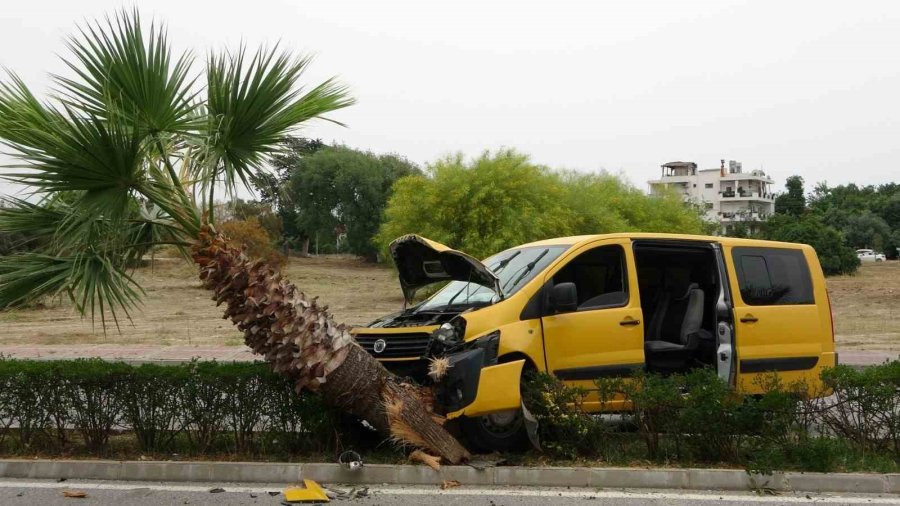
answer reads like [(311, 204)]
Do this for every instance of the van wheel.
[(503, 431)]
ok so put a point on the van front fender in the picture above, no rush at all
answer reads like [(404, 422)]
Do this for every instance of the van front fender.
[(498, 390)]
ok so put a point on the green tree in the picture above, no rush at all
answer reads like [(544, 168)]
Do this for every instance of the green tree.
[(495, 201), (834, 255), (502, 199), (342, 187), (866, 230), (132, 121), (792, 202)]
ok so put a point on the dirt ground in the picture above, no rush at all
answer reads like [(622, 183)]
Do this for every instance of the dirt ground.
[(177, 311), (867, 308)]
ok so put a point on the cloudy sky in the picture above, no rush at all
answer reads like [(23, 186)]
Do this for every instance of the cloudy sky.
[(807, 88)]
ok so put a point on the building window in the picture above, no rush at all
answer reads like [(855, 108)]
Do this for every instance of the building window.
[(695, 185), (709, 185)]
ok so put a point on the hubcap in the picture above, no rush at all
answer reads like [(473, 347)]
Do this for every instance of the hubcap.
[(503, 422)]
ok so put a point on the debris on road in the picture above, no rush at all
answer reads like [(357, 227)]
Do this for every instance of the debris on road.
[(217, 490), (75, 494), (309, 492), (429, 460), (350, 460), (354, 493), (449, 484)]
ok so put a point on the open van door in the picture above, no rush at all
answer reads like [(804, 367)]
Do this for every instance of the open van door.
[(779, 326), (726, 358)]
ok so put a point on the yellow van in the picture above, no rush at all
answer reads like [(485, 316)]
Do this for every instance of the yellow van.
[(598, 306)]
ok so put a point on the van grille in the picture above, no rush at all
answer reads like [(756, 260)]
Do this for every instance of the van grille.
[(397, 345)]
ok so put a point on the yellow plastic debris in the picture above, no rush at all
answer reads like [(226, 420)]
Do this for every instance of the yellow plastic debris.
[(309, 492)]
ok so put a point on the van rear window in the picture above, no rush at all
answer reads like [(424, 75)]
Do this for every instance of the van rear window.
[(772, 276)]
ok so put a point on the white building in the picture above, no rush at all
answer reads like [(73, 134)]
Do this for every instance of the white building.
[(728, 194)]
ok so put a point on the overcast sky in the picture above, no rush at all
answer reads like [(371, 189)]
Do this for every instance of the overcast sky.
[(807, 88)]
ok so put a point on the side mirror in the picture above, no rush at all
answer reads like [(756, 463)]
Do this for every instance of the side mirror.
[(564, 297)]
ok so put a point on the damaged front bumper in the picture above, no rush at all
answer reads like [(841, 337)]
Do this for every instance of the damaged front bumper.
[(475, 383)]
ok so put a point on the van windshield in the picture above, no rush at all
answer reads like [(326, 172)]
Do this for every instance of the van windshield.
[(515, 268)]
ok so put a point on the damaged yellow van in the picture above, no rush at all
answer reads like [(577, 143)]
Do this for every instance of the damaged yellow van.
[(589, 307)]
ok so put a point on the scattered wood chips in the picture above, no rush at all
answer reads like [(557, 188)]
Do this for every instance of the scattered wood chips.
[(449, 484)]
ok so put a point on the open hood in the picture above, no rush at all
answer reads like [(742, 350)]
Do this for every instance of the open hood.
[(422, 262)]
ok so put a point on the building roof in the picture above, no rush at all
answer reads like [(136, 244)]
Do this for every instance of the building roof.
[(680, 165)]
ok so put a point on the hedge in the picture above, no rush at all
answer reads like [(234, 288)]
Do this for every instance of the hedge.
[(200, 407), (244, 410), (696, 418)]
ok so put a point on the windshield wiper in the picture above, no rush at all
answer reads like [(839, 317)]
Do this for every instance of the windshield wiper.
[(529, 267), (503, 263)]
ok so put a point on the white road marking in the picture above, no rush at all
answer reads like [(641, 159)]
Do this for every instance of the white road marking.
[(712, 496)]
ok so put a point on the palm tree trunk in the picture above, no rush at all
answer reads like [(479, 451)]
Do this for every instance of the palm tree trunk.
[(300, 340)]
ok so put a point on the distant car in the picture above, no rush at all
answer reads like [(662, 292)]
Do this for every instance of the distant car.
[(868, 255)]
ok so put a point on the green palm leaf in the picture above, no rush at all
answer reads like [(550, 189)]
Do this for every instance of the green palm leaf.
[(251, 107), (121, 71), (106, 156)]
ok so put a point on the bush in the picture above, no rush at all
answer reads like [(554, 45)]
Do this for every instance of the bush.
[(866, 407), (253, 236), (152, 405), (240, 408), (500, 200), (565, 430), (245, 409)]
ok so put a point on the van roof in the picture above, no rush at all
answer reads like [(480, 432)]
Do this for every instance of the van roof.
[(730, 241)]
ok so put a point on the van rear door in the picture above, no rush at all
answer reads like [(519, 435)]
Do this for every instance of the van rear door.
[(777, 315)]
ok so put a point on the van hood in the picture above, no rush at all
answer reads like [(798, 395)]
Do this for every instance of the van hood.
[(421, 262)]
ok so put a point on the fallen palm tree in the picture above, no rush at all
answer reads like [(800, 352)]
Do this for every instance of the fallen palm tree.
[(301, 340), (136, 130)]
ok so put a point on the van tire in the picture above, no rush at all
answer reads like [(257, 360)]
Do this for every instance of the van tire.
[(483, 433)]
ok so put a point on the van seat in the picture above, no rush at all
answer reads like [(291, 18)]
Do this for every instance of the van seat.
[(670, 354)]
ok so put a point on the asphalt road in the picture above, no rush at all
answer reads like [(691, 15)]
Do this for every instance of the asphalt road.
[(28, 492)]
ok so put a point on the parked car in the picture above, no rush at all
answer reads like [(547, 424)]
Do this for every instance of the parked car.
[(600, 306), (868, 255)]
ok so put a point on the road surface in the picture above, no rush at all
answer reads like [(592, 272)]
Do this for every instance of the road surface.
[(46, 492)]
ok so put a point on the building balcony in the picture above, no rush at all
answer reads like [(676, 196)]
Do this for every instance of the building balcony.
[(749, 176), (729, 217), (666, 180), (747, 196)]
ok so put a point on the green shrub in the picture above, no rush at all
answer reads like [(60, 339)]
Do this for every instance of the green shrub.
[(238, 408), (866, 407), (29, 385), (152, 406), (566, 431), (503, 199)]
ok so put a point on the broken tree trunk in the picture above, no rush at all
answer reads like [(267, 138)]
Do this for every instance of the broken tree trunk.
[(300, 340)]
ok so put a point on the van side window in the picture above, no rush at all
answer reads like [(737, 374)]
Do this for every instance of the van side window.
[(600, 276), (772, 276)]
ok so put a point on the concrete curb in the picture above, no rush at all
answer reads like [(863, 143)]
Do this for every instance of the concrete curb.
[(260, 472)]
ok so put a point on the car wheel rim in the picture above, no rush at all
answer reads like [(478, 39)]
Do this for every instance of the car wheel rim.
[(502, 423)]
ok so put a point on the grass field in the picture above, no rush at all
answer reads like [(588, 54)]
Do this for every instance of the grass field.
[(177, 311), (867, 308)]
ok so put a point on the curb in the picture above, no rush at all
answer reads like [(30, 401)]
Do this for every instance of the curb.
[(597, 477)]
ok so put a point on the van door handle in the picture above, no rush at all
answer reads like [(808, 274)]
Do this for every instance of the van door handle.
[(629, 322), (749, 319)]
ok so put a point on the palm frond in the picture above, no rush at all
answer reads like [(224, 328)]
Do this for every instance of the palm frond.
[(119, 152), (251, 106), (118, 69), (92, 281), (35, 220)]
